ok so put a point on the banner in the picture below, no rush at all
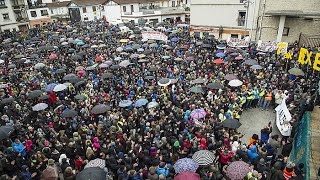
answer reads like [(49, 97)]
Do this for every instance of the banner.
[(156, 35), (266, 46), (305, 58), (282, 47), (300, 152), (238, 43), (283, 117)]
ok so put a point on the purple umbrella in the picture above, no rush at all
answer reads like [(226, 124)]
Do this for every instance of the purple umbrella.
[(198, 113)]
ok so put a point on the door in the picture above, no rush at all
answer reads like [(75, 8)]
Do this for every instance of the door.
[(74, 14)]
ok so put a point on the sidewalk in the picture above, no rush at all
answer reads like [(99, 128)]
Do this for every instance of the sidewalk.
[(315, 143)]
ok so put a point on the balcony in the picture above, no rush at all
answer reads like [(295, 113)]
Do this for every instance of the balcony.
[(35, 6), (18, 6)]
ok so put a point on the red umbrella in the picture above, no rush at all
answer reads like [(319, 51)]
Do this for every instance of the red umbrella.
[(218, 61), (187, 175), (53, 56), (98, 59)]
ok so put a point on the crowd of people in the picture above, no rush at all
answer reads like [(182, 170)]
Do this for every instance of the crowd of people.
[(78, 93)]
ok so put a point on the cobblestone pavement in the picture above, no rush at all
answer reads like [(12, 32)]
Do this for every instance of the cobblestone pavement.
[(253, 120)]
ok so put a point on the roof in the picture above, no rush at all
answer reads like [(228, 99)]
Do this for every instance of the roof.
[(58, 4), (135, 1), (89, 2), (291, 13)]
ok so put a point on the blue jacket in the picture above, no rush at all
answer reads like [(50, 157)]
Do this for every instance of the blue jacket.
[(252, 153), (162, 171), (19, 148)]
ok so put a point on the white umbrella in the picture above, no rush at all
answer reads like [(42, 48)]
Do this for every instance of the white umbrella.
[(60, 87), (103, 65), (164, 82), (119, 49), (152, 104), (39, 66), (64, 43), (235, 83), (94, 46), (39, 107), (102, 45), (1, 61), (124, 63)]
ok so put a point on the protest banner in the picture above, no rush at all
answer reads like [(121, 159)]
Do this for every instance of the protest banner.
[(305, 58), (283, 117), (266, 46), (238, 43), (156, 35), (282, 47)]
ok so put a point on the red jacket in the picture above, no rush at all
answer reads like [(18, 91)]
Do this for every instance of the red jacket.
[(225, 158)]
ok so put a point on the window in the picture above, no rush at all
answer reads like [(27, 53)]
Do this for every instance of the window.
[(124, 9), (51, 11), (86, 19), (241, 18), (178, 3), (132, 9), (285, 31), (242, 1), (2, 3), (5, 16), (33, 13), (44, 12), (84, 9), (173, 3), (186, 1), (234, 36), (94, 9)]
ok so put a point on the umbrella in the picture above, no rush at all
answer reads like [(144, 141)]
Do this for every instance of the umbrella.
[(76, 57), (125, 103), (221, 46), (80, 83), (234, 54), (196, 89), (185, 164), (60, 71), (142, 56), (107, 75), (152, 104), (103, 65), (147, 52), (166, 57), (92, 173), (175, 39), (206, 45), (124, 40), (100, 163), (189, 58), (149, 77), (99, 59), (79, 68), (235, 83), (50, 87), (231, 123), (60, 87), (220, 54), (238, 58), (215, 85), (80, 97), (251, 62), (11, 66), (173, 81), (34, 94), (187, 175), (124, 63), (7, 100), (43, 97), (198, 113), (69, 77), (53, 56), (230, 77), (256, 67), (140, 50), (100, 109), (178, 59), (114, 67), (39, 107), (39, 66), (153, 69), (5, 131), (119, 49), (203, 157), (237, 170), (296, 72), (164, 82), (218, 61), (141, 102), (69, 113), (198, 81)]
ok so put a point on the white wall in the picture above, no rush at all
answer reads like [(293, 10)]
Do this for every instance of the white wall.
[(38, 11), (8, 10), (59, 11), (128, 9), (112, 12), (90, 14)]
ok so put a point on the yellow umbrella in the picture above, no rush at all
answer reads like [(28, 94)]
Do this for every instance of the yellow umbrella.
[(124, 40)]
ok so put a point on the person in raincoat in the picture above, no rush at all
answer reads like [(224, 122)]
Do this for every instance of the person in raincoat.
[(18, 147)]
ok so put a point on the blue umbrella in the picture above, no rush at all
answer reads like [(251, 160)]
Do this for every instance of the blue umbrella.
[(50, 87), (221, 46), (125, 103), (220, 54), (141, 102), (80, 43), (185, 164), (174, 39)]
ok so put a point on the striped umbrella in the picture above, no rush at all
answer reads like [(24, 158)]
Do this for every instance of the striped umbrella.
[(96, 163), (203, 157), (185, 164)]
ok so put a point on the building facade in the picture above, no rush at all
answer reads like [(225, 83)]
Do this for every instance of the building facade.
[(13, 15), (286, 21), (141, 11), (224, 19), (59, 11), (86, 10)]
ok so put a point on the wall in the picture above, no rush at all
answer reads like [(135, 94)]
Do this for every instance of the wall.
[(38, 11), (128, 9), (310, 5), (10, 12), (59, 11), (90, 14), (112, 12)]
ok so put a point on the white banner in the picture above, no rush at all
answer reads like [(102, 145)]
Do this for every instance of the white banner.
[(266, 46), (156, 35), (238, 43), (283, 117)]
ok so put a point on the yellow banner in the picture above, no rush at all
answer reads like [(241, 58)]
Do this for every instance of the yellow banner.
[(282, 47), (305, 58)]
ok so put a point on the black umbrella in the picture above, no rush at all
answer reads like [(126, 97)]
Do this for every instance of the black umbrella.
[(100, 109), (215, 85), (35, 94), (149, 77), (5, 131), (80, 83), (147, 52), (92, 173), (114, 67), (80, 97), (231, 123), (76, 57), (153, 69), (43, 97), (74, 80), (206, 45), (7, 100), (60, 71), (69, 113), (69, 77), (251, 62), (107, 75)]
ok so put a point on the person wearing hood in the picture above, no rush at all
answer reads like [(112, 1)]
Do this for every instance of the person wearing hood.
[(96, 144), (25, 174), (253, 153), (18, 147)]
